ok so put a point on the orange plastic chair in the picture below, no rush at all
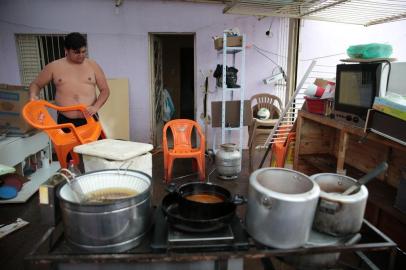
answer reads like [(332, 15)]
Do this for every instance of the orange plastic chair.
[(37, 115), (182, 146), (280, 150)]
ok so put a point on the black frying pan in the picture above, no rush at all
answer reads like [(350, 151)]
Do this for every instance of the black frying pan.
[(171, 211), (200, 210)]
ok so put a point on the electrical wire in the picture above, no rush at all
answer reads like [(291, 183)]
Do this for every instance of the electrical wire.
[(263, 54), (321, 57), (266, 51)]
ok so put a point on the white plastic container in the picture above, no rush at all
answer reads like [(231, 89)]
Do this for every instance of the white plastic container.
[(114, 154)]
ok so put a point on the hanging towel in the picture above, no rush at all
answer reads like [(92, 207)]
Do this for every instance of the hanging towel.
[(168, 108)]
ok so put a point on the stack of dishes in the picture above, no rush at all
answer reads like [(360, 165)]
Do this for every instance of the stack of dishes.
[(10, 182)]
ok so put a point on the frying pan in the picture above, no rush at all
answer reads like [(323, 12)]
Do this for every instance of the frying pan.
[(200, 210), (170, 208)]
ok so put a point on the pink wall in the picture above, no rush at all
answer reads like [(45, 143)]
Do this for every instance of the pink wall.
[(119, 42)]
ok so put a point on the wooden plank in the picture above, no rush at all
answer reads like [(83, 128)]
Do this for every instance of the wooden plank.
[(397, 162), (115, 114), (365, 155), (342, 148), (315, 138), (350, 129)]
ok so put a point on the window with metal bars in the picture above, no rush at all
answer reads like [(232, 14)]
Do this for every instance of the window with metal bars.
[(35, 51)]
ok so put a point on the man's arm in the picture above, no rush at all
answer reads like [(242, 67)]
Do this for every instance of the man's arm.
[(43, 78), (101, 83)]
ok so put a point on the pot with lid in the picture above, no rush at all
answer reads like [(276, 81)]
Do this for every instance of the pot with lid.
[(281, 207), (116, 214)]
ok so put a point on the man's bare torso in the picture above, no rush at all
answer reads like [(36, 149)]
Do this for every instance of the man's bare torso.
[(75, 84)]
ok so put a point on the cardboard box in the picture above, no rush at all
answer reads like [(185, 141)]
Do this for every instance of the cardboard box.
[(12, 100), (232, 113), (231, 42), (321, 82)]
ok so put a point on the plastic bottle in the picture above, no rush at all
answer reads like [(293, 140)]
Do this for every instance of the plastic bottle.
[(74, 168)]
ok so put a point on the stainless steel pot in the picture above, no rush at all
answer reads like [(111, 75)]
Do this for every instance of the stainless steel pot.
[(281, 207), (112, 226), (339, 214)]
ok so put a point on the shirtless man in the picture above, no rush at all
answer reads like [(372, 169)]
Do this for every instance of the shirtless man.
[(75, 78)]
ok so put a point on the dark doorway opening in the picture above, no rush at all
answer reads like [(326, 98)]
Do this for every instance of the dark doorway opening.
[(177, 66)]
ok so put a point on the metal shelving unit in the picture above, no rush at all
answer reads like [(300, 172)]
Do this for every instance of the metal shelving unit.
[(233, 52)]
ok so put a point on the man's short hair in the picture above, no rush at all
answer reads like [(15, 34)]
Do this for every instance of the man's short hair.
[(74, 41)]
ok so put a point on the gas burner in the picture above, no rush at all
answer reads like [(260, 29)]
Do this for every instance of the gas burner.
[(165, 237), (178, 238)]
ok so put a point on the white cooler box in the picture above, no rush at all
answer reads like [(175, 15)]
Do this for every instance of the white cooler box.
[(114, 154)]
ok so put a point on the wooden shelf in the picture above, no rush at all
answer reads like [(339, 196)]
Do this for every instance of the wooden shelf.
[(327, 145)]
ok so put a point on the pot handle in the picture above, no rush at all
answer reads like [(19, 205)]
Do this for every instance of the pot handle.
[(266, 202), (171, 188), (353, 240), (329, 207), (239, 199)]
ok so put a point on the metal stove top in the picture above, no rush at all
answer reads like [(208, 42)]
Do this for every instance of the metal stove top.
[(231, 237)]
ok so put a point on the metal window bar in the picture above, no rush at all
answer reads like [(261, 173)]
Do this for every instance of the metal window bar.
[(277, 133), (364, 12), (49, 47), (51, 50), (288, 117)]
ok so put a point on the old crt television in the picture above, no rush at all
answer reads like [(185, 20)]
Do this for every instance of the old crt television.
[(357, 85)]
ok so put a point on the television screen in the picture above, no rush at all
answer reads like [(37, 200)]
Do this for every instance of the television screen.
[(355, 89)]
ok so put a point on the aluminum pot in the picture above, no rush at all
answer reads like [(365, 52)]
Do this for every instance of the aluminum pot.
[(112, 226), (339, 214), (281, 207)]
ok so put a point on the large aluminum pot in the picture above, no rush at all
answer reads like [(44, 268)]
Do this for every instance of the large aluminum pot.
[(281, 207), (339, 214), (111, 226)]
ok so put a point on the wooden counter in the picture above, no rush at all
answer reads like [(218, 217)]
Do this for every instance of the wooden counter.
[(327, 145)]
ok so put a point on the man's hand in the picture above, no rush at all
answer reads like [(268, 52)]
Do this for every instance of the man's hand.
[(33, 98), (90, 111)]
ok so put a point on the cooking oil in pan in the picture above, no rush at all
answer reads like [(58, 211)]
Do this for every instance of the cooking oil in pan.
[(109, 194), (205, 198)]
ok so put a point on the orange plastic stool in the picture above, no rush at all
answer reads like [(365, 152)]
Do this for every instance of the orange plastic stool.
[(37, 115), (182, 146)]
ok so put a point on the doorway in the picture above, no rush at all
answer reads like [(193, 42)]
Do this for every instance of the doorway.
[(172, 67)]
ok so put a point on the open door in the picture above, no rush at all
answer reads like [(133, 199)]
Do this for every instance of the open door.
[(157, 88), (173, 73)]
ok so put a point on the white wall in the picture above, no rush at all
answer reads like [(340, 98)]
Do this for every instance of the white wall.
[(119, 41)]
